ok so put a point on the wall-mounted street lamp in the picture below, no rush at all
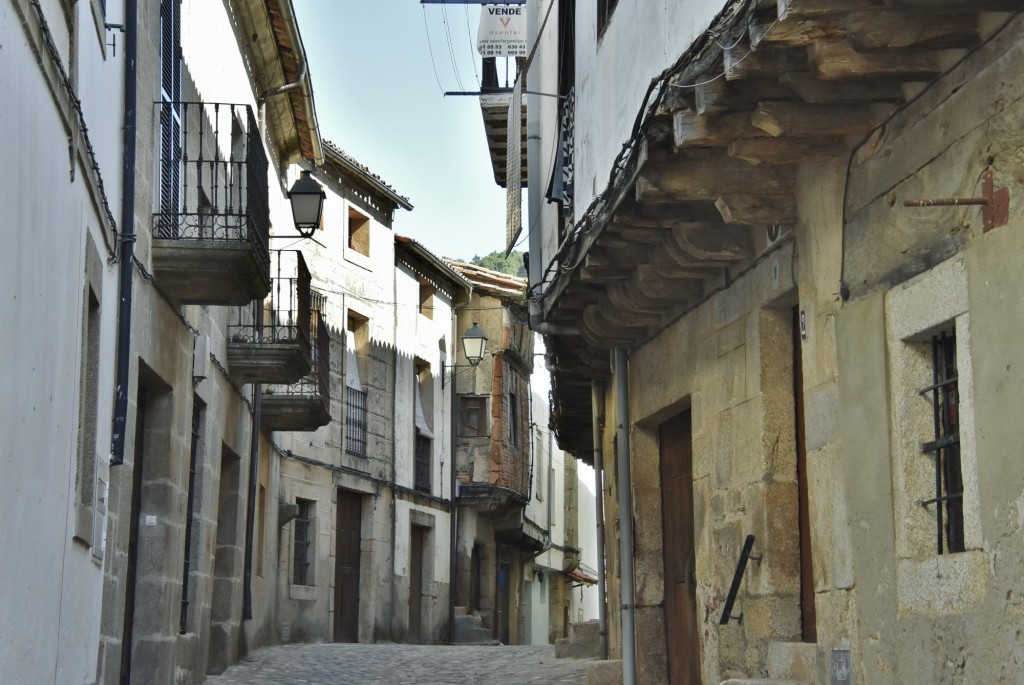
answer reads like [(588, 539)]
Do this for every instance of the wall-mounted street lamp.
[(474, 342), (307, 198), (474, 346)]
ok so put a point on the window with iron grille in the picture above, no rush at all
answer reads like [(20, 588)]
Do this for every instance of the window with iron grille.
[(513, 418), (302, 565), (945, 447), (422, 465), (355, 422)]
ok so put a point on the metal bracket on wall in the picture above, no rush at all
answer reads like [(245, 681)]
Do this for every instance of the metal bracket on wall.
[(995, 203)]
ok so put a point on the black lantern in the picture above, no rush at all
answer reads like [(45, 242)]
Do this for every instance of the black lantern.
[(473, 343), (307, 198)]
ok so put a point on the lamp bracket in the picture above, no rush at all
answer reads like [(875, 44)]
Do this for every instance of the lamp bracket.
[(995, 203)]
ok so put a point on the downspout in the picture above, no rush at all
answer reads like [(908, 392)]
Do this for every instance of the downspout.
[(394, 449), (597, 394), (619, 367), (254, 463), (453, 517), (124, 312)]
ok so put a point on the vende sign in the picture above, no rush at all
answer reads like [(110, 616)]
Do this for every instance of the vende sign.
[(502, 31)]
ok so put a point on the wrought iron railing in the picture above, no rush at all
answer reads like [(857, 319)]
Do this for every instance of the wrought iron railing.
[(212, 176), (287, 310), (317, 381)]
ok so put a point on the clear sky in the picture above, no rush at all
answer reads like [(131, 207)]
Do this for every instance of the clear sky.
[(377, 97)]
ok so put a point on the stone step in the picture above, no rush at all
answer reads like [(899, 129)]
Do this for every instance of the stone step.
[(586, 629), (604, 672), (584, 642), (764, 681), (469, 630), (793, 660)]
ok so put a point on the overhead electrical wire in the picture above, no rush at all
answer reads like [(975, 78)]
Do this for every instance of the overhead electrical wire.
[(430, 50), (451, 47), (472, 53)]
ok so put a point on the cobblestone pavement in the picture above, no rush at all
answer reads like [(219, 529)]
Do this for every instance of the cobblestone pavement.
[(345, 664)]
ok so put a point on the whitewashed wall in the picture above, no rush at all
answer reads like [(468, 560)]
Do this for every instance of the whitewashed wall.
[(613, 74), (51, 590)]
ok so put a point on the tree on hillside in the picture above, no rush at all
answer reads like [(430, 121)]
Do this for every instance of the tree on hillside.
[(513, 264)]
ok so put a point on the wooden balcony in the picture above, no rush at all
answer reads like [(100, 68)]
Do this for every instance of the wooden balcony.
[(210, 234), (271, 343)]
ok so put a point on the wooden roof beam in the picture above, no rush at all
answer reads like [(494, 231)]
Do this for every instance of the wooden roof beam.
[(741, 208), (957, 6), (720, 96), (892, 31), (787, 150), (836, 60), (706, 174), (743, 62), (814, 90), (767, 28), (802, 120), (691, 129), (814, 9)]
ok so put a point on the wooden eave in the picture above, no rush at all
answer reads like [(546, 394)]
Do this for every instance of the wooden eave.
[(713, 163), (351, 173), (427, 265), (268, 37)]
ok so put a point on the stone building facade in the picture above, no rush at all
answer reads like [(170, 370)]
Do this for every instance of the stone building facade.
[(787, 269)]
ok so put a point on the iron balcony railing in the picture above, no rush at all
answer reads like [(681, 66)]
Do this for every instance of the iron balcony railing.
[(287, 310), (317, 381), (212, 176)]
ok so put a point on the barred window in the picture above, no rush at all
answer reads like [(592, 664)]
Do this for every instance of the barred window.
[(355, 422), (422, 468), (302, 568), (513, 418), (945, 447)]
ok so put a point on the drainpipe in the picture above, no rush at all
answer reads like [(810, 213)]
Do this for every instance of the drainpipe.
[(453, 518), (254, 463), (124, 315), (625, 516), (597, 402)]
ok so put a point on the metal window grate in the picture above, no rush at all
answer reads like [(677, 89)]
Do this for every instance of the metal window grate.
[(300, 573), (949, 486), (355, 422), (422, 464)]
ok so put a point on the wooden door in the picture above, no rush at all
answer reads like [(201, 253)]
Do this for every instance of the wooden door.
[(416, 548), (503, 600), (808, 614), (679, 550), (475, 574), (346, 566)]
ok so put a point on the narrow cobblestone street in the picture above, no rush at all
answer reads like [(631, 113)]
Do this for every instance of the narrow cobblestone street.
[(344, 664)]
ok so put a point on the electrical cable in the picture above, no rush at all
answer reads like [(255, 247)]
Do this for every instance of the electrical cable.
[(430, 50)]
